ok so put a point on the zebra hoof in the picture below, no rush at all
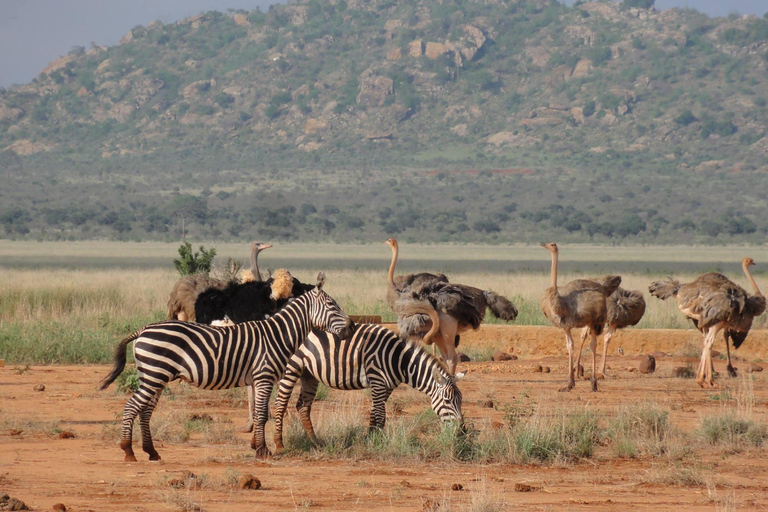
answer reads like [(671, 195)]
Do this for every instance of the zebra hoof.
[(156, 456), (263, 452), (130, 458)]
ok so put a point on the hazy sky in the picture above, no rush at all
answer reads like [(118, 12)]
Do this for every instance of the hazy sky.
[(35, 32)]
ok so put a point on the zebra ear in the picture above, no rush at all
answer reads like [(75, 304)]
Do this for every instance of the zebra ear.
[(320, 280), (438, 376)]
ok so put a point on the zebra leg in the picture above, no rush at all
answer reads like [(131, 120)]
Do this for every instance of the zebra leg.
[(380, 394), (146, 435), (262, 390), (135, 405), (284, 390), (304, 405)]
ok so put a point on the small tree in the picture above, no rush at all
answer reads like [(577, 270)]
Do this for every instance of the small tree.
[(194, 263)]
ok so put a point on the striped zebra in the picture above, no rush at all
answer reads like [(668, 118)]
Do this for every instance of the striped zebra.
[(248, 354), (373, 357)]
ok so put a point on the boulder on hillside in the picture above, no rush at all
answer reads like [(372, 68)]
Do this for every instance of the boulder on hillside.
[(416, 48), (582, 68), (315, 126), (10, 114), (241, 19), (394, 54), (435, 50), (539, 55), (374, 90), (541, 121)]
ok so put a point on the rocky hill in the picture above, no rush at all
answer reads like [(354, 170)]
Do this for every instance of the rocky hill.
[(519, 105)]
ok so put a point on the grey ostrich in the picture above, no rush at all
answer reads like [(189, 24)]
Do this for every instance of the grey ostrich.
[(580, 303), (458, 307), (401, 285), (181, 303), (714, 303), (624, 308), (253, 274)]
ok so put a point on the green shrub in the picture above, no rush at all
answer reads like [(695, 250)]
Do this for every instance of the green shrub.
[(640, 429), (191, 263), (685, 118), (128, 381), (727, 429)]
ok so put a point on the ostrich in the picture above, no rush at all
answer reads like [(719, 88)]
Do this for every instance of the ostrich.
[(624, 308), (244, 302), (713, 303), (580, 303), (253, 274), (181, 303), (459, 308), (400, 285)]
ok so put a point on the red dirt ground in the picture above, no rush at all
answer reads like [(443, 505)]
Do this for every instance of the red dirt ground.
[(87, 472)]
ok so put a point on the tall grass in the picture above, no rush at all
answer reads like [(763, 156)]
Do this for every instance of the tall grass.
[(563, 438), (640, 429), (89, 295)]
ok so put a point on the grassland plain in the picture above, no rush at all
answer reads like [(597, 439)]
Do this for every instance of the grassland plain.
[(64, 302)]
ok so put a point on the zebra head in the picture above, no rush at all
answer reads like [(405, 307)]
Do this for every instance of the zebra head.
[(327, 315), (446, 397)]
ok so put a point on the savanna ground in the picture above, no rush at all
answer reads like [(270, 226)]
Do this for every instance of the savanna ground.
[(650, 442)]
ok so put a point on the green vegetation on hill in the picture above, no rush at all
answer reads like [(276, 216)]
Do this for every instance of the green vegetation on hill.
[(436, 121)]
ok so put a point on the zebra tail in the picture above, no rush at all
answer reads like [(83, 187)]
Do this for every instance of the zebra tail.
[(120, 359), (500, 306)]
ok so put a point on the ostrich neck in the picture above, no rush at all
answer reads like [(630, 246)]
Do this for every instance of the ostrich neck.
[(255, 266), (751, 279), (391, 274), (554, 271)]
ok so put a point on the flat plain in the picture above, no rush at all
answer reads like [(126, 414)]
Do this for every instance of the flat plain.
[(648, 442)]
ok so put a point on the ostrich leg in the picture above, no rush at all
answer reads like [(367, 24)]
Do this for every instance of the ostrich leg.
[(569, 346), (248, 427), (607, 335), (731, 369), (579, 369), (593, 348), (704, 375)]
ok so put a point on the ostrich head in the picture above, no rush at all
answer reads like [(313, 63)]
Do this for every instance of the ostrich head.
[(551, 247), (391, 242), (748, 262), (257, 247)]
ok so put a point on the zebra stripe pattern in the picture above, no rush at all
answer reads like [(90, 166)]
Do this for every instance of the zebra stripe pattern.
[(247, 354), (374, 357)]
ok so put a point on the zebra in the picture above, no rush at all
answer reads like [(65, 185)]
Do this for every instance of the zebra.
[(248, 354), (373, 357)]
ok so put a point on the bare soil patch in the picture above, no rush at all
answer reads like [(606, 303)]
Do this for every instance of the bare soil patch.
[(86, 472)]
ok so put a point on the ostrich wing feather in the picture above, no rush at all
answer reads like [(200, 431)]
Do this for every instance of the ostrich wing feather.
[(624, 308), (500, 307), (664, 289)]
